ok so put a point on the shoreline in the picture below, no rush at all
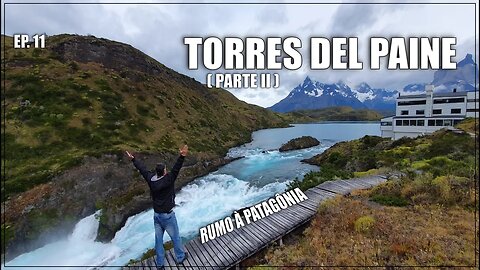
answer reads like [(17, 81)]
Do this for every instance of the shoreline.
[(338, 122)]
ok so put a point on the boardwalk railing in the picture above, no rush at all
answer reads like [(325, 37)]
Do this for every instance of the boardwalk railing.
[(230, 249)]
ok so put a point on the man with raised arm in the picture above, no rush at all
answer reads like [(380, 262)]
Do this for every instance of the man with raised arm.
[(162, 190)]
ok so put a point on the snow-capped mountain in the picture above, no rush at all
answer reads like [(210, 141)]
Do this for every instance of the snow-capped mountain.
[(379, 99), (315, 95)]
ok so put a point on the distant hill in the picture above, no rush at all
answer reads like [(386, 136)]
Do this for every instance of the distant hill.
[(73, 107), (342, 113)]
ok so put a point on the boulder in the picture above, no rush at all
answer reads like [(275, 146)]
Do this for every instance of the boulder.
[(299, 143)]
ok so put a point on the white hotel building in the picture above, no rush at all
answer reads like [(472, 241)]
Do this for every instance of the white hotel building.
[(423, 114)]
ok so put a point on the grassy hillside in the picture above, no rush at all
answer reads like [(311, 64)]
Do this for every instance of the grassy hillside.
[(84, 96), (342, 113), (70, 111), (469, 125), (426, 217)]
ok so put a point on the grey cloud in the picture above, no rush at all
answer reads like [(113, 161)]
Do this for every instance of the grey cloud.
[(158, 30), (38, 18), (273, 14), (349, 19), (61, 18)]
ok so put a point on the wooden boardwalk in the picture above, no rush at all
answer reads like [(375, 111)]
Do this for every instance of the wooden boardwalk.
[(230, 249)]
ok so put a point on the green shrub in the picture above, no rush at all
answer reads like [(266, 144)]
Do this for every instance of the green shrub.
[(36, 52), (73, 66), (326, 173), (364, 224), (142, 110), (368, 142), (103, 85), (448, 142), (366, 173), (389, 200), (43, 136), (337, 159), (425, 188)]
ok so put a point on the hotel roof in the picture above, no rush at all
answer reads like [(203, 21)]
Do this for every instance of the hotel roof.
[(451, 94)]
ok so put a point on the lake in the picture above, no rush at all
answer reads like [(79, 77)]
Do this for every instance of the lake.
[(262, 172)]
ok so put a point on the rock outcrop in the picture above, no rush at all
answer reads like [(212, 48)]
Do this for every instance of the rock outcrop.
[(299, 143)]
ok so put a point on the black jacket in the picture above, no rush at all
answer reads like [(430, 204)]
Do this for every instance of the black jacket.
[(162, 190)]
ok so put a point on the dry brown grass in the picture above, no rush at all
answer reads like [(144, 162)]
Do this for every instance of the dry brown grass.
[(469, 125), (413, 236)]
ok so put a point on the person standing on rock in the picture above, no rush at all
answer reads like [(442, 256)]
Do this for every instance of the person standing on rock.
[(162, 190)]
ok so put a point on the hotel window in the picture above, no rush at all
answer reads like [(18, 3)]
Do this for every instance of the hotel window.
[(455, 111), (420, 112), (431, 123), (437, 111), (404, 113), (398, 122), (447, 123), (438, 123), (412, 102), (421, 123), (449, 100), (455, 122), (413, 122), (386, 123), (472, 110), (406, 123)]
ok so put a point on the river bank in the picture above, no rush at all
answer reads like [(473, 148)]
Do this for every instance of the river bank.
[(426, 217)]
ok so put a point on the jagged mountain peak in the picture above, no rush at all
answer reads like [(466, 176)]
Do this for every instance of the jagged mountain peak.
[(307, 80), (363, 87), (312, 94), (464, 78), (468, 60)]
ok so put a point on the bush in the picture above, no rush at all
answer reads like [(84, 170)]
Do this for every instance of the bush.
[(142, 110), (426, 188), (364, 224), (366, 173), (312, 178), (371, 141), (389, 200), (448, 142), (337, 159), (74, 66)]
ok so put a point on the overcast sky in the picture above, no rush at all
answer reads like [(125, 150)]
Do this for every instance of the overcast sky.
[(158, 30)]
